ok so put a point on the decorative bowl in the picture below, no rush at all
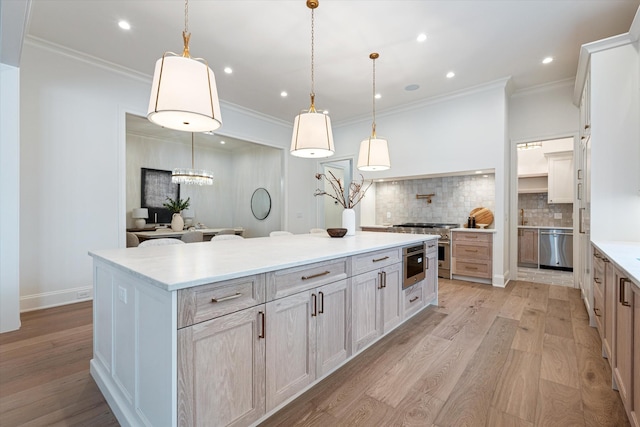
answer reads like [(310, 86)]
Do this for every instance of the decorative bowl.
[(337, 232), (483, 226)]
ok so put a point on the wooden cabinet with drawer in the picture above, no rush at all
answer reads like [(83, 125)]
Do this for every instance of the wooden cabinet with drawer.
[(472, 254), (290, 281)]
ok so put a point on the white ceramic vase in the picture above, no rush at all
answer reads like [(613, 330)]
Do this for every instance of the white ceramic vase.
[(177, 223), (349, 221)]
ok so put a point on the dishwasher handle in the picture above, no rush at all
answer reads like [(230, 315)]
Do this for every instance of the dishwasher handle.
[(546, 233)]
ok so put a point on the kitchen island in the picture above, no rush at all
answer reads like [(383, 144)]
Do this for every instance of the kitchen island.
[(225, 333)]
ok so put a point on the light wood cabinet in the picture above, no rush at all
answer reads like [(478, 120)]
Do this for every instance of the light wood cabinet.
[(635, 409), (221, 370), (376, 304), (622, 365), (528, 247), (604, 300), (431, 273), (306, 338), (560, 179), (472, 255)]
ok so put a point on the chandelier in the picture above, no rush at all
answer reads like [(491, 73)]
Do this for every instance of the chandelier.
[(191, 176)]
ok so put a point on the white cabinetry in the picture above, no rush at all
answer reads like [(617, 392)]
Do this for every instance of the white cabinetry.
[(560, 178), (431, 273)]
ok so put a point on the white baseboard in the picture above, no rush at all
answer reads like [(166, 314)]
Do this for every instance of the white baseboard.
[(55, 298)]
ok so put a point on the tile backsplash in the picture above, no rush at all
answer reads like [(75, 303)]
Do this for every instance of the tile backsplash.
[(455, 197), (538, 212)]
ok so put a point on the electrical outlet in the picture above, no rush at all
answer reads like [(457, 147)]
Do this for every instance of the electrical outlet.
[(388, 215), (83, 294), (557, 215), (122, 294)]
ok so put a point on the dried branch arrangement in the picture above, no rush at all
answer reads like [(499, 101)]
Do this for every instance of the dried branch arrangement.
[(352, 198)]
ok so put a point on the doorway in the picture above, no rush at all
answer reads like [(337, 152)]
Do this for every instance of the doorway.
[(544, 200)]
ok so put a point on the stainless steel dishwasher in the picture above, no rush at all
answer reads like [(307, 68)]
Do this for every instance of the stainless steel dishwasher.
[(556, 249)]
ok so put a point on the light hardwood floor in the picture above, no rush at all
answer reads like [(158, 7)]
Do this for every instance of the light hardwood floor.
[(520, 356)]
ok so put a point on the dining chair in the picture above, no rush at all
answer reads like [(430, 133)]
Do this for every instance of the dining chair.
[(132, 240), (280, 233), (192, 236), (219, 237), (161, 242), (226, 231)]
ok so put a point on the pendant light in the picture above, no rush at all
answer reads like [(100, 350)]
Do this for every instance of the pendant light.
[(183, 93), (374, 151), (191, 176), (312, 135)]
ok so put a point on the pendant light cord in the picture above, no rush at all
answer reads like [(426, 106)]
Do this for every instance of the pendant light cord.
[(312, 109), (374, 56), (192, 151), (186, 16)]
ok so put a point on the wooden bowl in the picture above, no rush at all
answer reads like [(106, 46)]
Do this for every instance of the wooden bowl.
[(337, 232)]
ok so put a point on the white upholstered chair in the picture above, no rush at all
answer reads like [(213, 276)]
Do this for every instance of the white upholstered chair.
[(219, 237), (132, 240), (161, 242), (280, 233), (226, 231)]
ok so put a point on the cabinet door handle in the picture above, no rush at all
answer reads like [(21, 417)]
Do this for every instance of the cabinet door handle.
[(380, 259), (597, 280), (596, 310), (314, 310), (313, 276), (597, 255), (227, 298), (321, 302), (384, 279), (413, 299), (623, 299), (379, 280), (581, 220), (579, 191), (427, 267), (263, 323), (579, 173)]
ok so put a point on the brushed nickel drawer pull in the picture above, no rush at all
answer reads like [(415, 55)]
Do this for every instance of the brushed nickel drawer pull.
[(470, 268), (380, 280), (471, 250), (263, 323), (227, 298), (321, 302), (596, 310), (384, 279), (381, 259), (413, 300), (313, 276)]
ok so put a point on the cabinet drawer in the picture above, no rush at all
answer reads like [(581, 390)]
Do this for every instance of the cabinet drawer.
[(413, 298), (473, 251), (374, 260), (472, 268), (470, 236), (297, 279), (206, 302)]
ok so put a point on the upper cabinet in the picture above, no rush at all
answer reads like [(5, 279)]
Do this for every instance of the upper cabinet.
[(585, 108), (560, 177)]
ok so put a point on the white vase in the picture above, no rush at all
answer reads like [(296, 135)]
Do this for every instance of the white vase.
[(177, 223), (349, 221)]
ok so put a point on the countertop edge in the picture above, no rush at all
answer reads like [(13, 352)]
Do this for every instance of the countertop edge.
[(476, 230), (625, 255)]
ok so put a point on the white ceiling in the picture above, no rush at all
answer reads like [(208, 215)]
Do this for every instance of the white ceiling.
[(267, 43)]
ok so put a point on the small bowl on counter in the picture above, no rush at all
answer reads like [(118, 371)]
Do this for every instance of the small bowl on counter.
[(336, 232)]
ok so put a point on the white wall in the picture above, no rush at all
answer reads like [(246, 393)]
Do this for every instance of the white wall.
[(462, 132), (9, 197), (615, 144), (73, 169)]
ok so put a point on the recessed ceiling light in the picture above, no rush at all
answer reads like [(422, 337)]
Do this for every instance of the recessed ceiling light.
[(547, 60), (124, 25), (228, 70), (412, 87), (485, 176), (451, 74), (421, 37), (478, 171), (222, 142), (209, 132), (378, 96), (325, 112), (283, 94)]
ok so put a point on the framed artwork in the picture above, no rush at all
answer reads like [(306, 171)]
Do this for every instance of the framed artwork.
[(156, 187)]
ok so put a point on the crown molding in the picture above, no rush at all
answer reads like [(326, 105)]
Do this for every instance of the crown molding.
[(544, 87)]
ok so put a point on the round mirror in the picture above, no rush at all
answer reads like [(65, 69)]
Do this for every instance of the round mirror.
[(261, 203)]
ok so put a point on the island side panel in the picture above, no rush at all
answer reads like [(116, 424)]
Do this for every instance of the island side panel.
[(135, 341)]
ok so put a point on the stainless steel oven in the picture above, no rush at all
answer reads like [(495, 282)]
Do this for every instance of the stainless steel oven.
[(414, 265), (440, 229)]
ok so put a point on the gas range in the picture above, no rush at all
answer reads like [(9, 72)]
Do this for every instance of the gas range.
[(437, 228)]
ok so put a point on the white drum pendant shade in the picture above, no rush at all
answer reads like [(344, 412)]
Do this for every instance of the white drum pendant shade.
[(374, 155), (312, 135), (184, 95)]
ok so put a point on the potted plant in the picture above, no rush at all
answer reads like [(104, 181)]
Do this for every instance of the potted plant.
[(175, 207), (348, 197)]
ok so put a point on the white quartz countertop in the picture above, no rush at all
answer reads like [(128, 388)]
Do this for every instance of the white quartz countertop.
[(548, 227), (475, 230), (174, 267), (625, 255)]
